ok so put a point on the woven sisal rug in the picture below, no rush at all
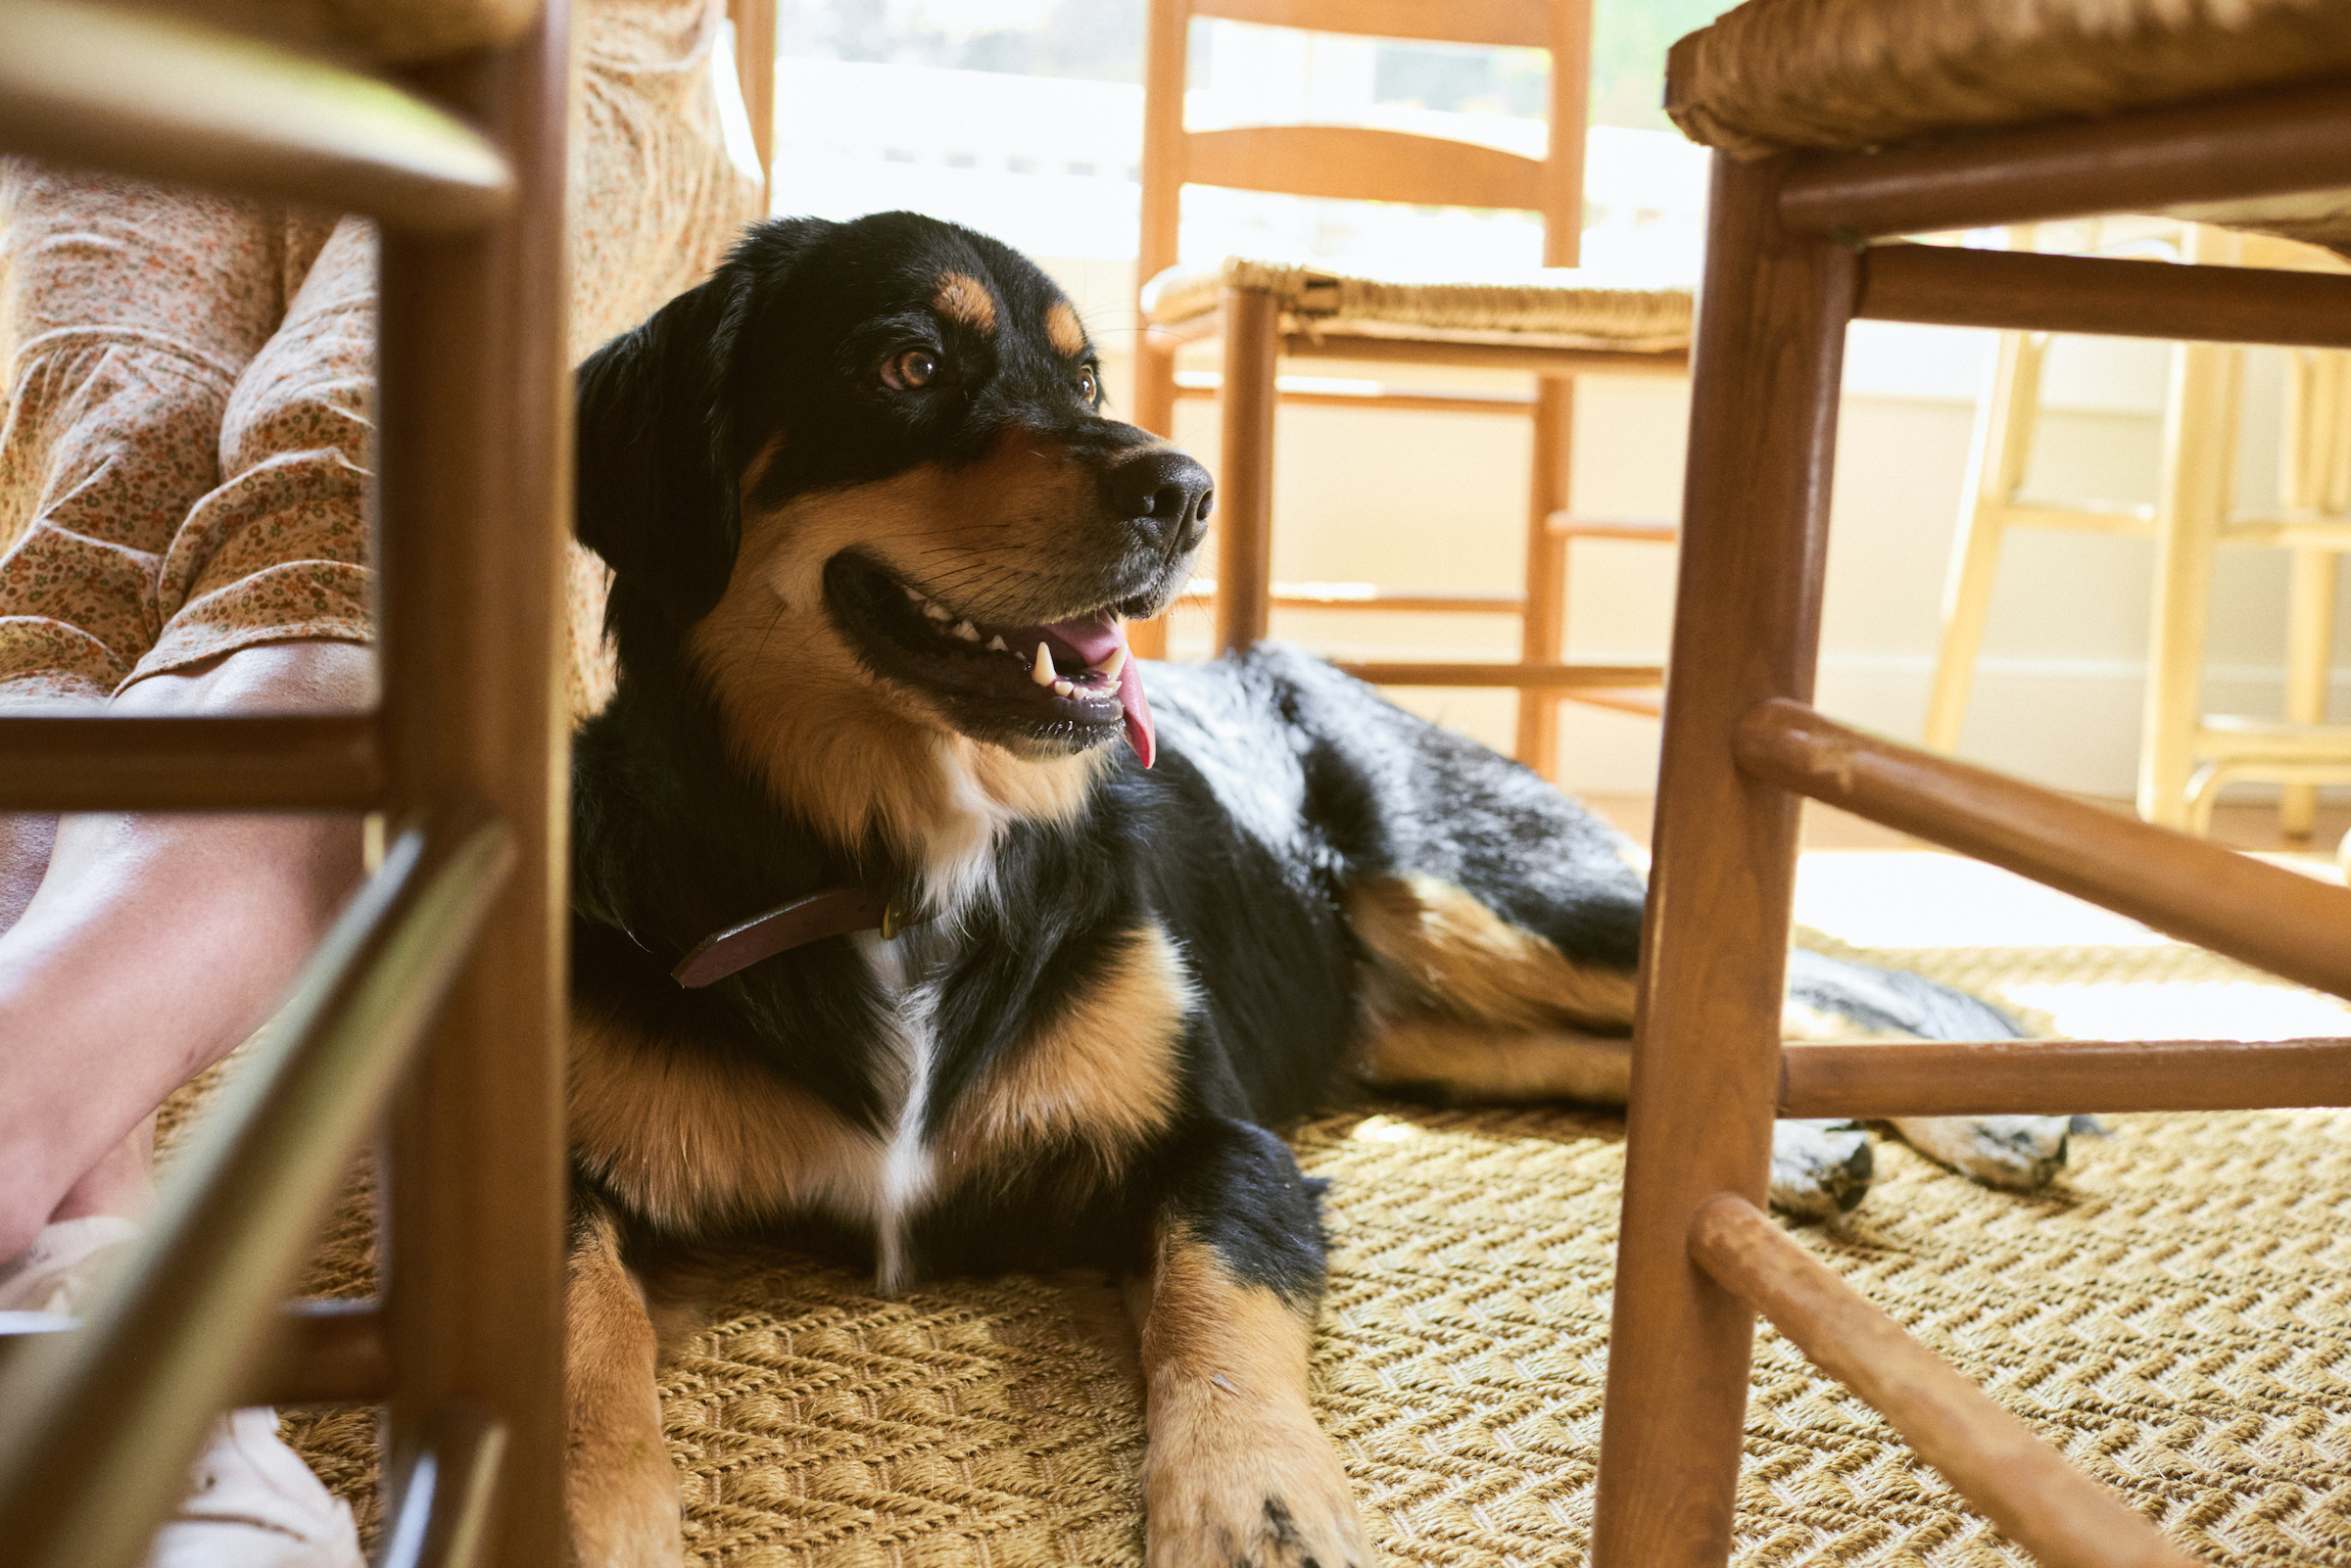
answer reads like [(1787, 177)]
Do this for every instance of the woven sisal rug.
[(2176, 1315)]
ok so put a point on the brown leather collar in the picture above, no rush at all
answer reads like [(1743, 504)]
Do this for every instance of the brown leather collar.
[(834, 912)]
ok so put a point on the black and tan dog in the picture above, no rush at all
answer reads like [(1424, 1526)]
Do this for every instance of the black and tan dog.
[(882, 939)]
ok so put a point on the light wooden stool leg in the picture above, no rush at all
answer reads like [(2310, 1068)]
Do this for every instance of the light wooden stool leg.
[(1155, 411), (1244, 515), (1544, 633), (475, 420), (2312, 478), (1706, 1066), (2188, 510), (2309, 657), (2003, 442)]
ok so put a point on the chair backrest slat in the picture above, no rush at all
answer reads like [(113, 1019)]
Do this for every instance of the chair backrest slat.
[(1522, 23), (1350, 162)]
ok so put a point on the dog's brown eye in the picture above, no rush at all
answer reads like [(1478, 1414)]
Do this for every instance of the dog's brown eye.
[(915, 367), (1087, 388)]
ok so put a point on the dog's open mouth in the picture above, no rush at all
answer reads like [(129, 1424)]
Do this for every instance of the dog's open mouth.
[(1071, 681)]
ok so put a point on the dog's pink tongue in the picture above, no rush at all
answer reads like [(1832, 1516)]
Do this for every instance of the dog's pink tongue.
[(1092, 637)]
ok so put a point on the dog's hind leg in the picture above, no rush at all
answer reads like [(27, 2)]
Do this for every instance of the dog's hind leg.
[(1447, 1061), (1462, 1006), (1459, 1005), (1237, 1474), (1835, 999), (2022, 1153), (621, 1490), (1435, 949)]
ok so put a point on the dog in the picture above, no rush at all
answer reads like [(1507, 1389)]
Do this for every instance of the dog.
[(914, 919)]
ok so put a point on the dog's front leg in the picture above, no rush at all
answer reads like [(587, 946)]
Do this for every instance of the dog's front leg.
[(620, 1488), (1237, 1473)]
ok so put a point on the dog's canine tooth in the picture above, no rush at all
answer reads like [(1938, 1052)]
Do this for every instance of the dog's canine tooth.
[(914, 593), (995, 644), (967, 631), (938, 612), (1063, 688), (1113, 662), (1042, 672)]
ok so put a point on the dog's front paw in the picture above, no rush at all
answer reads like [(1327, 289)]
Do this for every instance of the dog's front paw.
[(1274, 1499), (2022, 1153), (1819, 1170)]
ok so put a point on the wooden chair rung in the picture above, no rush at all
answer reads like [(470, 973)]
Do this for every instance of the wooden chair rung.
[(2246, 909), (1949, 285), (308, 762), (2025, 1486), (2056, 1077), (1326, 392), (1533, 675), (1641, 705), (1566, 524), (1372, 596)]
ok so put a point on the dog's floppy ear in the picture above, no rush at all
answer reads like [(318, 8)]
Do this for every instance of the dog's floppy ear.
[(653, 495), (658, 456)]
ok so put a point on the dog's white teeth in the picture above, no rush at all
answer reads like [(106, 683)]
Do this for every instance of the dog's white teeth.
[(1113, 662), (936, 612), (1065, 689), (1042, 672), (995, 644), (967, 631), (914, 593)]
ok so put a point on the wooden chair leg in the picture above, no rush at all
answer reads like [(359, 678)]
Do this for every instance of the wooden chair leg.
[(1544, 627), (1996, 471), (1154, 410), (1706, 1069), (1244, 515), (475, 456), (2193, 498), (2309, 657)]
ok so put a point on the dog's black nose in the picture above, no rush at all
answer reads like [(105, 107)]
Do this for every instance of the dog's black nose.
[(1164, 494)]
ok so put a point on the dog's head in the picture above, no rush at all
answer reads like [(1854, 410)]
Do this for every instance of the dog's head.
[(863, 475)]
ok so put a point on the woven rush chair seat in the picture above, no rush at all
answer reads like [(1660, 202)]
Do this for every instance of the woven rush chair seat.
[(1550, 307), (1856, 75)]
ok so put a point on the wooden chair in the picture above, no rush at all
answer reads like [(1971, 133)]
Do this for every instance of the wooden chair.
[(2186, 755), (1840, 125), (1554, 324), (439, 991)]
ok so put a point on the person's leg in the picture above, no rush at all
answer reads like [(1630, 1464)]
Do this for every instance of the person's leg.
[(135, 950), (155, 945)]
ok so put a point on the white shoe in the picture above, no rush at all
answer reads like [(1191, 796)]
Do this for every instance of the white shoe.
[(256, 1505), (63, 1267), (251, 1503)]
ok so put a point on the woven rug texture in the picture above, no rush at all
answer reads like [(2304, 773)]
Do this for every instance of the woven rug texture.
[(2175, 1315)]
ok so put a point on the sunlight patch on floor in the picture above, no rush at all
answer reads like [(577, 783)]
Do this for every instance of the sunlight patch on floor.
[(2216, 1010), (1920, 898)]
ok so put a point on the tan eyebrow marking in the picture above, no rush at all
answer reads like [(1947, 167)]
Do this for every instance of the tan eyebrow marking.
[(962, 298), (1062, 329)]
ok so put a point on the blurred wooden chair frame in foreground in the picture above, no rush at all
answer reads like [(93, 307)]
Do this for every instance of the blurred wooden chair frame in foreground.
[(2185, 754), (438, 993), (1263, 315), (2223, 111)]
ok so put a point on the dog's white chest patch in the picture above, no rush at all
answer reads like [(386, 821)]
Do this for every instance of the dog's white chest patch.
[(903, 1180)]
